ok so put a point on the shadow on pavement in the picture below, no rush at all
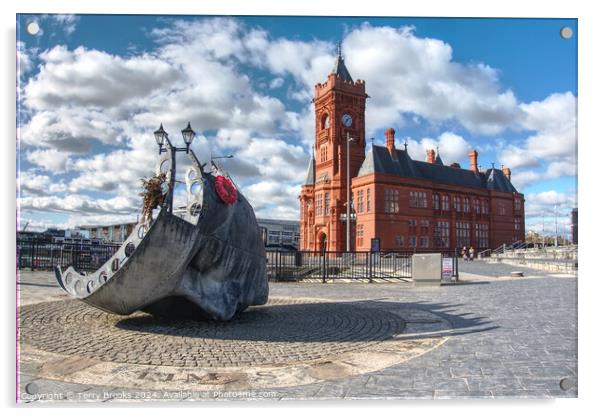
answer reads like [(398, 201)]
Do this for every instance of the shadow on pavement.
[(321, 322)]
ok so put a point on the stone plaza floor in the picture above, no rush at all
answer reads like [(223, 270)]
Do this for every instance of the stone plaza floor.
[(488, 336)]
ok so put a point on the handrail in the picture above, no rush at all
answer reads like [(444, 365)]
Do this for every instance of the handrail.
[(481, 254)]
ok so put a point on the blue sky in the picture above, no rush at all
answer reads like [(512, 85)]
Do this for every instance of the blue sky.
[(92, 88)]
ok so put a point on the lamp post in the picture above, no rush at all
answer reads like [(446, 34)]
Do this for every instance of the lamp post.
[(162, 139), (348, 216)]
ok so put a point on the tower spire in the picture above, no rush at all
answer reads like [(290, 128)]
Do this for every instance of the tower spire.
[(339, 69)]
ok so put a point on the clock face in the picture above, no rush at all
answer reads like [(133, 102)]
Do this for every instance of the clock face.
[(347, 120)]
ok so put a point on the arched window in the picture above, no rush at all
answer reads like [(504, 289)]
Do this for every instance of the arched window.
[(325, 122)]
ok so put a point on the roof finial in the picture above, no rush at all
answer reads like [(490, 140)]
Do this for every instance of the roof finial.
[(339, 49), (492, 165), (405, 144), (372, 140)]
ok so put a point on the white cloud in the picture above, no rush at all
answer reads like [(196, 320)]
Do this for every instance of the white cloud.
[(68, 22), (80, 204), (72, 129), (554, 145), (24, 58), (516, 157), (404, 74), (273, 199), (34, 184), (276, 83), (50, 159), (547, 207), (90, 78), (452, 147), (119, 170), (276, 159), (555, 112)]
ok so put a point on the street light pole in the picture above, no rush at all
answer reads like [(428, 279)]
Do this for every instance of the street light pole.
[(162, 139), (348, 216)]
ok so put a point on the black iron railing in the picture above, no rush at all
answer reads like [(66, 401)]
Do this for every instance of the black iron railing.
[(36, 255), (339, 265), (281, 265)]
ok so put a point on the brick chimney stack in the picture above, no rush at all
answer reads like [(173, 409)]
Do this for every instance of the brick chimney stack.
[(472, 156), (390, 136), (507, 172), (430, 156)]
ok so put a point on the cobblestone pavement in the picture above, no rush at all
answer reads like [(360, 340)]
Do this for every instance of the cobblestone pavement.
[(282, 332), (511, 337)]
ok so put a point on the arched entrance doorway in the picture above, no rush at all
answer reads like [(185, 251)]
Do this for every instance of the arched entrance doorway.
[(322, 243)]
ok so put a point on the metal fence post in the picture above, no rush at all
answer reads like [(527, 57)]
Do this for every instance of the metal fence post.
[(323, 267), (370, 266), (33, 246)]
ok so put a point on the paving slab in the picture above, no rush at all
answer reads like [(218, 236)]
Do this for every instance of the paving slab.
[(489, 337)]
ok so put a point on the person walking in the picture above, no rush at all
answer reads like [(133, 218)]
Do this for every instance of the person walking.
[(471, 253), (464, 253)]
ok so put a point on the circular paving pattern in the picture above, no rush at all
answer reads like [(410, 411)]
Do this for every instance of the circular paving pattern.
[(287, 342), (281, 332)]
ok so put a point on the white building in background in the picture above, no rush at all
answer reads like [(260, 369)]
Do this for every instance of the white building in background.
[(275, 233), (279, 232), (114, 233)]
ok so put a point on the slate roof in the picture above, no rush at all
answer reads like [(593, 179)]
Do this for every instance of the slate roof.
[(310, 179), (341, 70), (379, 160)]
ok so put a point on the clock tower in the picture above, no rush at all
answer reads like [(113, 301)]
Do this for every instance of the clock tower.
[(340, 105)]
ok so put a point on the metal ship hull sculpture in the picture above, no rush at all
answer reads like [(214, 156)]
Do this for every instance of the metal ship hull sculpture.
[(206, 262)]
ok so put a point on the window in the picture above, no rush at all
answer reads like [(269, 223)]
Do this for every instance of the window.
[(360, 201), (327, 203), (502, 209), (325, 121), (360, 235), (435, 201), (482, 235), (412, 241), (368, 200), (462, 234), (485, 207), (457, 206), (399, 240), (391, 201), (445, 202), (517, 204), (323, 153), (477, 206), (441, 234), (319, 206), (517, 222), (466, 204), (418, 200), (424, 242)]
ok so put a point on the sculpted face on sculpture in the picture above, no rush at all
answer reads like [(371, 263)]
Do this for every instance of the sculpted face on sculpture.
[(207, 260)]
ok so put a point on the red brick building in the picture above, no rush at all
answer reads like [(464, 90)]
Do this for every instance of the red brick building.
[(406, 204)]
